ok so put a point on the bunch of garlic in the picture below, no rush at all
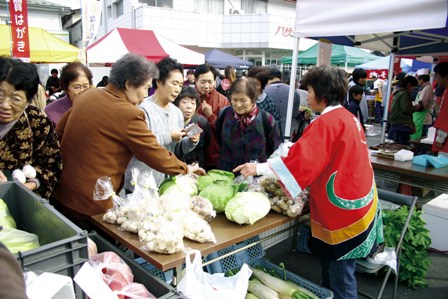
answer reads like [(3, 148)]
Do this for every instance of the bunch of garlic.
[(27, 171)]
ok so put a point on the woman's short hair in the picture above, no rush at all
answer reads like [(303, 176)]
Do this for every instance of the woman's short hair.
[(260, 73), (230, 73), (166, 66), (23, 76), (133, 68), (187, 92), (71, 71), (408, 80), (243, 85), (203, 69), (329, 83)]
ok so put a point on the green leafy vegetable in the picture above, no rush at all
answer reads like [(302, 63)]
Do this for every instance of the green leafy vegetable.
[(414, 261), (221, 175), (247, 207), (218, 194)]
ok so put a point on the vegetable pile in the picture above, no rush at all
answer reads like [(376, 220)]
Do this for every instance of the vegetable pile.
[(162, 221), (266, 286), (280, 202), (414, 261)]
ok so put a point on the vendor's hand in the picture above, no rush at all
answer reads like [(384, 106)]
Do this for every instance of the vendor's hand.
[(438, 144), (177, 135), (246, 170), (30, 185), (195, 138), (3, 178), (194, 168), (207, 109)]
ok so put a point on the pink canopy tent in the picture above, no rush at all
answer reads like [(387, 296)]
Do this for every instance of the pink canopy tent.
[(147, 43)]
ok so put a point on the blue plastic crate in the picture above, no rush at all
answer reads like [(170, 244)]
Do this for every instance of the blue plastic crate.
[(321, 292), (166, 276), (303, 237), (236, 260)]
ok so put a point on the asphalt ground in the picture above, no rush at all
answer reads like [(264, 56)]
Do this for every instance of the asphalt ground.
[(307, 266)]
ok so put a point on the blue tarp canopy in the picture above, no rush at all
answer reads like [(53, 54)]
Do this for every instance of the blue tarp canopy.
[(220, 60)]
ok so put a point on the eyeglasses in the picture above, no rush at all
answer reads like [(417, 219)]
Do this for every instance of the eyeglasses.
[(14, 101), (80, 87)]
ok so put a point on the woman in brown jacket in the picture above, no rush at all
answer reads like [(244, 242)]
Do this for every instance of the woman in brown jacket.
[(99, 135)]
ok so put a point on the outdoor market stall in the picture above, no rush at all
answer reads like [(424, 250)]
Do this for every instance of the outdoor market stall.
[(227, 233), (403, 27), (146, 43), (408, 173), (44, 47)]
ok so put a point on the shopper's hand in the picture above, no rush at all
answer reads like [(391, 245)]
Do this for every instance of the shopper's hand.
[(246, 170), (177, 135), (195, 138), (194, 168), (207, 109), (3, 178)]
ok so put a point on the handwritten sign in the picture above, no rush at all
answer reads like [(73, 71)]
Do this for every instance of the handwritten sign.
[(18, 10)]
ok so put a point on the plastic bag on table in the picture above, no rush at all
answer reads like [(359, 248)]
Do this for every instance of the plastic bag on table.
[(203, 207), (198, 284), (18, 240), (282, 150), (167, 238), (134, 290), (197, 229), (113, 270), (6, 219)]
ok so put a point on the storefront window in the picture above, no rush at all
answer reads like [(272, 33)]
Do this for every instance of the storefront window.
[(209, 6), (158, 3)]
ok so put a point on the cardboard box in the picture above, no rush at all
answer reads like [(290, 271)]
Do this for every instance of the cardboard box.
[(435, 214)]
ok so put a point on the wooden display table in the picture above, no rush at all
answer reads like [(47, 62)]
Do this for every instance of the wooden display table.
[(407, 173), (226, 232)]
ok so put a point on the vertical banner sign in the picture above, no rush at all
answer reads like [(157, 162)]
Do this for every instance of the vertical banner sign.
[(18, 11), (91, 16), (324, 53)]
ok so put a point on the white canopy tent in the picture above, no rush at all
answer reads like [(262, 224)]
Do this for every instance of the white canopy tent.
[(399, 26)]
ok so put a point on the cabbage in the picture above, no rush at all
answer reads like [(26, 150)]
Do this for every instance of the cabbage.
[(183, 184), (204, 181), (218, 194), (247, 207), (221, 175)]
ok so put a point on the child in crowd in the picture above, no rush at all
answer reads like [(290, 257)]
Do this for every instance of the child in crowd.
[(355, 97)]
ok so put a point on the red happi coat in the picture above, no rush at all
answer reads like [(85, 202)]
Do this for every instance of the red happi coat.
[(441, 122), (332, 158)]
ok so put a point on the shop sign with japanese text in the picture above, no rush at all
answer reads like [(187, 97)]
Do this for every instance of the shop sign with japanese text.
[(18, 11)]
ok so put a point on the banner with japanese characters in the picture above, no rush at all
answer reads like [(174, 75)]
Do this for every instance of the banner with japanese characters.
[(18, 11), (91, 16)]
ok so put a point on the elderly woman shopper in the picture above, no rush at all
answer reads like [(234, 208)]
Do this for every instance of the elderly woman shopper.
[(101, 133), (75, 78), (164, 119), (245, 132), (27, 136), (344, 211)]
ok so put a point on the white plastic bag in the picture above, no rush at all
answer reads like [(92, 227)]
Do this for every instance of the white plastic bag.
[(198, 284)]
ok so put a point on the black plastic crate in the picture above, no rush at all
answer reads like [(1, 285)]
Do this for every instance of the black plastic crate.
[(321, 292), (153, 284), (235, 260)]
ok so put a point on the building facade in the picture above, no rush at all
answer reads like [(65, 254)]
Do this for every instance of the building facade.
[(256, 30)]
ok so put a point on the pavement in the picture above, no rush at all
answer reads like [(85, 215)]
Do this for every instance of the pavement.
[(307, 266)]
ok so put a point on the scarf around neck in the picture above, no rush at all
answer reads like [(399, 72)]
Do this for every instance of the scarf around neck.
[(245, 120)]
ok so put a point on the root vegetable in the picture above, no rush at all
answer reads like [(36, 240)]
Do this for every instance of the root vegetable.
[(261, 291)]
